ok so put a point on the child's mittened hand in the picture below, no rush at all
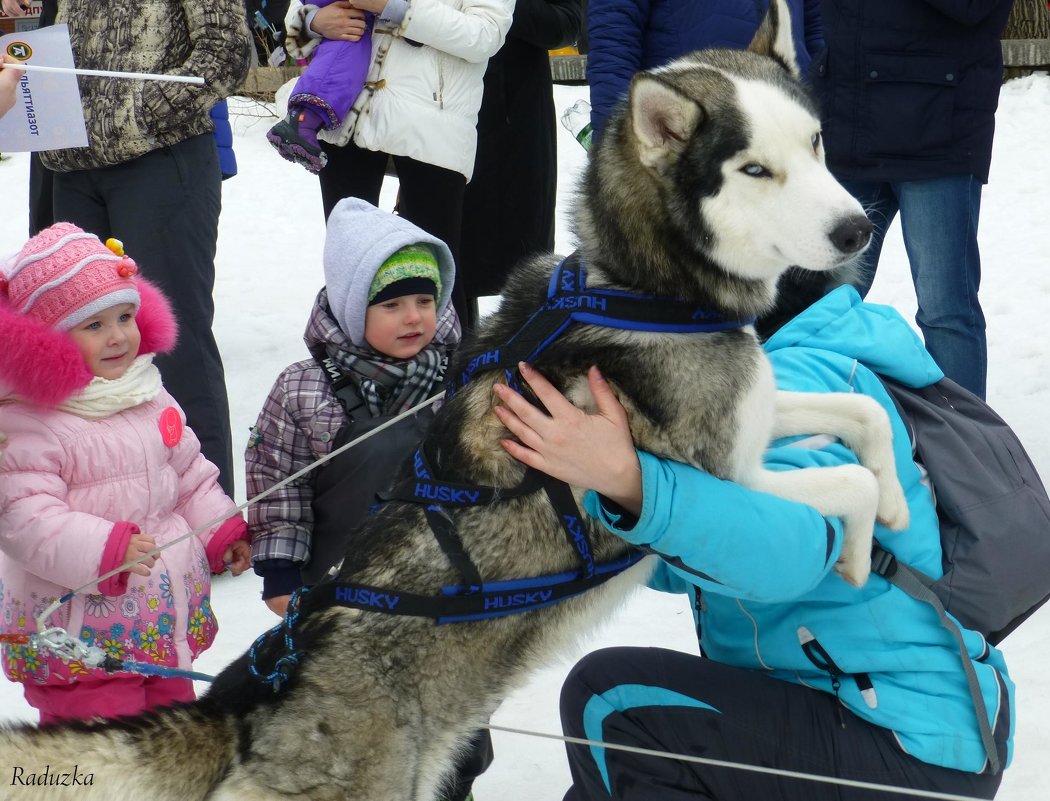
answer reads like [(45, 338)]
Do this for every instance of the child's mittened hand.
[(238, 557), (138, 545)]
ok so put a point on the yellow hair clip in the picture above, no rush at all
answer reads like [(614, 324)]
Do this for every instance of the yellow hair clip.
[(116, 246)]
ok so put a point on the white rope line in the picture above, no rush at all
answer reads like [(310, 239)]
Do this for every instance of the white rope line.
[(720, 763), (50, 610), (61, 642), (134, 76)]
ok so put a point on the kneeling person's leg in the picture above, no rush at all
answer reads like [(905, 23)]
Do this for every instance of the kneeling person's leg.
[(677, 703)]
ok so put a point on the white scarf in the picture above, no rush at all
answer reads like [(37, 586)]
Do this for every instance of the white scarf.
[(103, 397)]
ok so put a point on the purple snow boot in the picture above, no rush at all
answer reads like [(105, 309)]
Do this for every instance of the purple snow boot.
[(295, 138)]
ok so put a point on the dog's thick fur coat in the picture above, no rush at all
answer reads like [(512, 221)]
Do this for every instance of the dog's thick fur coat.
[(707, 185)]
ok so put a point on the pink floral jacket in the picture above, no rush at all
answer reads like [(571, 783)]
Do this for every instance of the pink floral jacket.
[(73, 491)]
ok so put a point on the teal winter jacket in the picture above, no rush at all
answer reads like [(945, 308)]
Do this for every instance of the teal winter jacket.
[(759, 568)]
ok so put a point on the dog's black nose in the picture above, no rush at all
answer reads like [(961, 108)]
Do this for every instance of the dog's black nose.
[(852, 233)]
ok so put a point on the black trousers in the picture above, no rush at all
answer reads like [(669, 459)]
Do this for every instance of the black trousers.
[(41, 196), (431, 197), (675, 702), (164, 206)]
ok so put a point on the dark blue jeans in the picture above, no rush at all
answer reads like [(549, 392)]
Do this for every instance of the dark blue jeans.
[(669, 701), (939, 223)]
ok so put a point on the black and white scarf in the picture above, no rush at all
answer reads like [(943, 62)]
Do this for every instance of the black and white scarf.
[(387, 385)]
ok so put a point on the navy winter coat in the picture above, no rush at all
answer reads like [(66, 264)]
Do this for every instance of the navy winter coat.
[(628, 36), (909, 88)]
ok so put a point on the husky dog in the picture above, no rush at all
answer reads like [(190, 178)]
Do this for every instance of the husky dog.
[(708, 184)]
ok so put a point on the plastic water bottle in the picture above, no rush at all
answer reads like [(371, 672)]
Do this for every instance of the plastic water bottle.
[(577, 119)]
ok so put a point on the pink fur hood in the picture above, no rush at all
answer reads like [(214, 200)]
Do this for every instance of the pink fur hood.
[(44, 366)]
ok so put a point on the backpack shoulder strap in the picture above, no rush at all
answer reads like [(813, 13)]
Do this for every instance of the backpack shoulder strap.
[(920, 586), (917, 585)]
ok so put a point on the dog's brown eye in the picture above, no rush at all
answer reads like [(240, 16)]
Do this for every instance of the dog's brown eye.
[(816, 141), (756, 171)]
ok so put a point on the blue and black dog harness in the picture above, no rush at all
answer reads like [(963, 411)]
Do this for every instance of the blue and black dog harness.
[(569, 301)]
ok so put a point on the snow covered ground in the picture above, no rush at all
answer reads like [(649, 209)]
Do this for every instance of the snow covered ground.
[(269, 269)]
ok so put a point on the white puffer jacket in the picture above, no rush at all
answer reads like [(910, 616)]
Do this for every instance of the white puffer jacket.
[(424, 85)]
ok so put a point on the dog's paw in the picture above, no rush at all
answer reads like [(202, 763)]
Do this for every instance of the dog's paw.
[(854, 571), (854, 564), (893, 510)]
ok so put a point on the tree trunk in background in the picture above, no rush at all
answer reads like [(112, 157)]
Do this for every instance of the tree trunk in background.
[(1029, 19)]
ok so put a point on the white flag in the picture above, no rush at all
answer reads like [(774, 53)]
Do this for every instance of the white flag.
[(47, 113)]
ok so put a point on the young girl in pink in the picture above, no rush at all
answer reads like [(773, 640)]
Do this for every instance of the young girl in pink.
[(98, 469)]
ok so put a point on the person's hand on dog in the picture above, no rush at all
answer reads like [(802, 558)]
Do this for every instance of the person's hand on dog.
[(339, 21), (585, 450)]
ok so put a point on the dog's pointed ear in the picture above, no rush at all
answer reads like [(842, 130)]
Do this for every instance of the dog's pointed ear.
[(662, 118), (774, 40)]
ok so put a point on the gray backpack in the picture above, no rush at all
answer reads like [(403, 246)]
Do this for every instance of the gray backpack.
[(993, 509), (994, 518)]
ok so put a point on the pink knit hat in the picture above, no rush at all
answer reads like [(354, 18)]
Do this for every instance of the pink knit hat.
[(62, 277)]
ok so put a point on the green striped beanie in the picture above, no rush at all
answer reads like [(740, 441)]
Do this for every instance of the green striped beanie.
[(412, 270)]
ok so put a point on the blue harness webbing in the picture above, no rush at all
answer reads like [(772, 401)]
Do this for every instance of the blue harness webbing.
[(456, 604), (568, 301)]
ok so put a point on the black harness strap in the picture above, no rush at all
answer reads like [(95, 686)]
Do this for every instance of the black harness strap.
[(435, 494), (571, 521), (569, 300), (444, 530), (343, 387), (425, 489), (458, 604)]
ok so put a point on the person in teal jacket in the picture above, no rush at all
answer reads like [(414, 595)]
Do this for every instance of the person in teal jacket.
[(803, 672)]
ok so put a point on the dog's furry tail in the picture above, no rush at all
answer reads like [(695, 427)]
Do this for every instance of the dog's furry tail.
[(176, 754)]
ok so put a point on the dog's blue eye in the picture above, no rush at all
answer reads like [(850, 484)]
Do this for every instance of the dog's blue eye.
[(756, 171), (816, 141)]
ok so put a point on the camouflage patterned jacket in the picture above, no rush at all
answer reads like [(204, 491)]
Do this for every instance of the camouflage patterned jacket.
[(128, 118)]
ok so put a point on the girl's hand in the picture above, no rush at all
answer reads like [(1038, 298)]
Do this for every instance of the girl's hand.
[(585, 450), (340, 21), (138, 545), (238, 557)]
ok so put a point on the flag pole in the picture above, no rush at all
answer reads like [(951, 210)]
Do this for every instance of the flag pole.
[(137, 76)]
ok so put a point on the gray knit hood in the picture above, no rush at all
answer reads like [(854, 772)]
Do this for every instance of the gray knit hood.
[(360, 238)]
